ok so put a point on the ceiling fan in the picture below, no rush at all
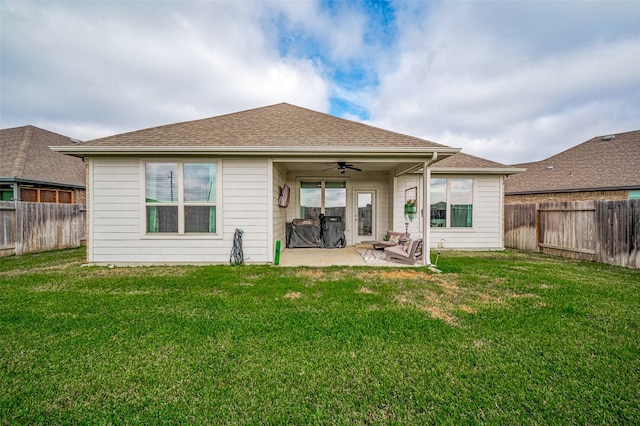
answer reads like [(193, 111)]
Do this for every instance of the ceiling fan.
[(342, 166)]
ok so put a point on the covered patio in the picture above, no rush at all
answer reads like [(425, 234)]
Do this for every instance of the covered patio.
[(383, 179)]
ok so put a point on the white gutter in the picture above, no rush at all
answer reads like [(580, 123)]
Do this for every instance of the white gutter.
[(437, 156), (249, 150)]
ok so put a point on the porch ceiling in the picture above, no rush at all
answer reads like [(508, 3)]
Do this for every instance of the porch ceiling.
[(328, 167)]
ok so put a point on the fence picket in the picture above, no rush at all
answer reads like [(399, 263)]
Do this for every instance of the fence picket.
[(602, 231), (520, 227), (34, 227)]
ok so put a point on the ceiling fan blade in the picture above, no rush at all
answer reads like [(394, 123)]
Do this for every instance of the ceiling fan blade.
[(341, 166)]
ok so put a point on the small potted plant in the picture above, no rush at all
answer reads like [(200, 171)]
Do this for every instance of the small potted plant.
[(409, 212), (410, 209)]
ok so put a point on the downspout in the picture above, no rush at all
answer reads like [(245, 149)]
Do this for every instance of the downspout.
[(426, 210)]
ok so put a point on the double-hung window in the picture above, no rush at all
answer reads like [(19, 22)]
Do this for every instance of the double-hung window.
[(452, 202), (181, 197)]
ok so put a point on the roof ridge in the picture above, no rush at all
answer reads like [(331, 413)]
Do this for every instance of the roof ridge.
[(362, 124), (23, 149), (281, 104), (616, 133), (179, 123), (576, 147)]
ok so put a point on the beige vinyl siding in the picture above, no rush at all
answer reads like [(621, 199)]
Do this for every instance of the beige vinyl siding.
[(293, 211), (486, 232), (246, 204), (118, 216), (403, 183), (279, 213), (115, 196)]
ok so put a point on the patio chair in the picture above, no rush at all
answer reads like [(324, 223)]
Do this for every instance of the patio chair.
[(407, 254), (392, 238)]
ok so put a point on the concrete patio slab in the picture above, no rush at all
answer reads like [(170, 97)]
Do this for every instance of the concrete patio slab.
[(347, 256), (318, 257)]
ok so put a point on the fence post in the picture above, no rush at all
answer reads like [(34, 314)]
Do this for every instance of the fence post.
[(19, 227), (7, 228), (538, 230), (600, 207)]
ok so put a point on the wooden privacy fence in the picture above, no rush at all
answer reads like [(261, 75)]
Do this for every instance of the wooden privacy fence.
[(35, 227), (600, 231)]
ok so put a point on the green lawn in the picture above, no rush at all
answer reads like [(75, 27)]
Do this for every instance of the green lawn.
[(497, 338)]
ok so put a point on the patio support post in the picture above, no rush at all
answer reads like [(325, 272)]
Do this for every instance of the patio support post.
[(426, 211)]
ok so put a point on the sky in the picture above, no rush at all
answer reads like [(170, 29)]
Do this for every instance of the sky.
[(509, 81)]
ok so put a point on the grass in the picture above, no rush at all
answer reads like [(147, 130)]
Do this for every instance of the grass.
[(497, 338)]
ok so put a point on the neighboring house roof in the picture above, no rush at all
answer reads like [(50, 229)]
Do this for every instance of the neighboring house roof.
[(465, 163), (25, 156), (283, 128), (603, 163)]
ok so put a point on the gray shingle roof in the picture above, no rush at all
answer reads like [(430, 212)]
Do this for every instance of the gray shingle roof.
[(25, 154), (599, 163), (469, 162), (280, 125)]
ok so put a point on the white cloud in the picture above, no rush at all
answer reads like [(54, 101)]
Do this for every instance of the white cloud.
[(461, 81), (102, 68), (336, 31), (509, 81)]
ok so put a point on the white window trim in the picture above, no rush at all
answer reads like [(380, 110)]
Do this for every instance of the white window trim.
[(448, 226), (180, 235), (323, 180)]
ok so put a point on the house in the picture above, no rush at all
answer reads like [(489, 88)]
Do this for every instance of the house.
[(176, 193), (603, 168), (30, 171)]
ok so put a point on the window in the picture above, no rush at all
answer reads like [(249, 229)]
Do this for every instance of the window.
[(180, 197), (335, 199), (452, 203), (438, 203), (310, 199), (323, 197), (65, 197), (6, 193), (42, 195)]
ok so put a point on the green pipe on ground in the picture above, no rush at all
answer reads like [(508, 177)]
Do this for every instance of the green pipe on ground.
[(276, 261)]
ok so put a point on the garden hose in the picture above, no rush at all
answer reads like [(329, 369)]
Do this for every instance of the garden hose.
[(237, 256)]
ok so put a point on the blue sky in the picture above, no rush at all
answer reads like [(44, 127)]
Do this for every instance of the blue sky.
[(511, 81), (348, 74)]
